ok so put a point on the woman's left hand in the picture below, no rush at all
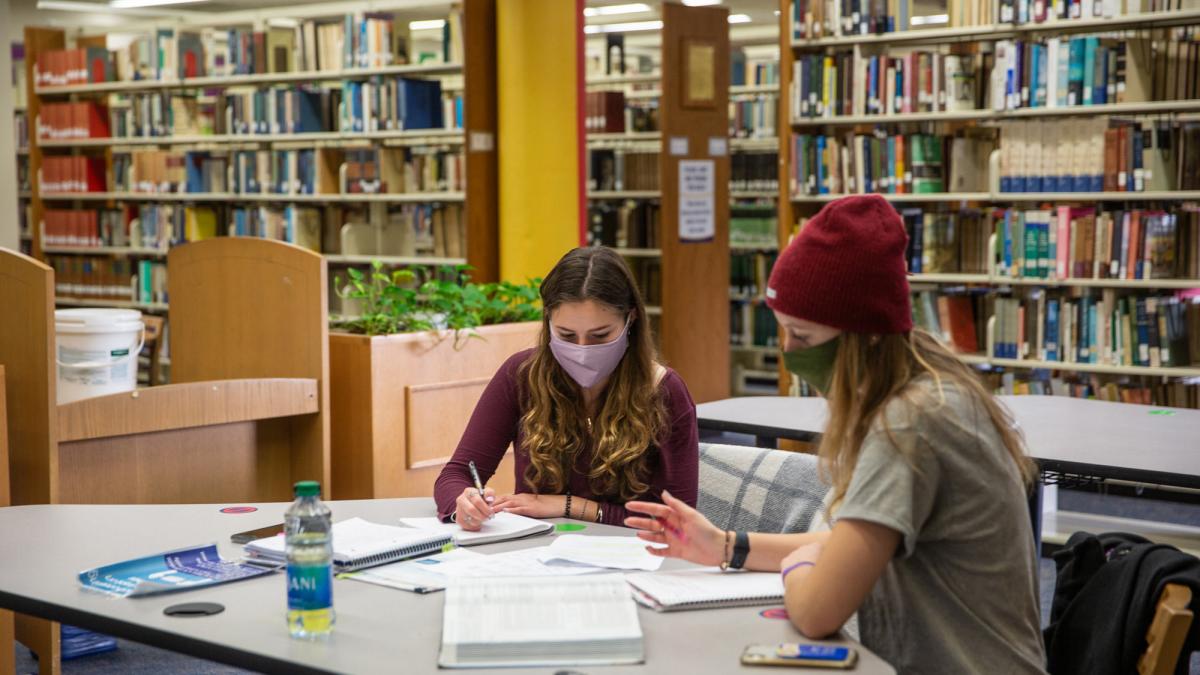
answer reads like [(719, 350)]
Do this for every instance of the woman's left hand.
[(531, 505)]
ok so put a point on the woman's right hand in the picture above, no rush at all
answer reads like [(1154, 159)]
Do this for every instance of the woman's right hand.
[(686, 532), (471, 510)]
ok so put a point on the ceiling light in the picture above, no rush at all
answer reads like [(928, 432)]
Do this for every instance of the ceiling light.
[(613, 10), (131, 4), (701, 3), (739, 18), (623, 27), (431, 24)]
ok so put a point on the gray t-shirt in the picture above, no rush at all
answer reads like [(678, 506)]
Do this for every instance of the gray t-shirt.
[(960, 596)]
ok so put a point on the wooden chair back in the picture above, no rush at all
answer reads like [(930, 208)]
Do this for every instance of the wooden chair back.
[(1167, 632), (27, 354)]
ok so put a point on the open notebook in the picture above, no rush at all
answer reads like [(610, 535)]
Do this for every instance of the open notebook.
[(705, 588), (502, 527), (570, 621), (358, 543)]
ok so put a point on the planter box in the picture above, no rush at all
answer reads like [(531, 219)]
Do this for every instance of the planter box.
[(399, 405)]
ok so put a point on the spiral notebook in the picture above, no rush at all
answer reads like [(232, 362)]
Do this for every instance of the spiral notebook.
[(705, 588), (358, 543)]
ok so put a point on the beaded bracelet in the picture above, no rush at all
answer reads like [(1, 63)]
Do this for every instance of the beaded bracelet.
[(567, 508)]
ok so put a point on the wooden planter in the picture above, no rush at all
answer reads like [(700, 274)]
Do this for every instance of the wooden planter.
[(400, 403)]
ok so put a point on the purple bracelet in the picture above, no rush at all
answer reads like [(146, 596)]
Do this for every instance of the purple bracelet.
[(802, 563)]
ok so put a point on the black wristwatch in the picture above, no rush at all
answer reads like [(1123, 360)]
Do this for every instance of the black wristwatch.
[(741, 549)]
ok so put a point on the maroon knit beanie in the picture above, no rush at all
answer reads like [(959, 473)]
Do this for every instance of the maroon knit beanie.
[(846, 269)]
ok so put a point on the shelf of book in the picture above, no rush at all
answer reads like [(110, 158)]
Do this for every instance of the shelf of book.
[(1141, 20), (770, 143), (1003, 197), (124, 251), (350, 259), (640, 252), (753, 194), (233, 197), (750, 89), (995, 280), (624, 194), (411, 137), (948, 278), (1096, 368), (221, 82), (1157, 108), (909, 197), (624, 137), (632, 78), (154, 307)]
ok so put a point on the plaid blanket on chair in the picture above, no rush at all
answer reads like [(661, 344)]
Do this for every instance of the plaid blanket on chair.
[(759, 490)]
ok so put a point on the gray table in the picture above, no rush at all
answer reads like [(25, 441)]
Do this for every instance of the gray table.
[(1069, 437), (378, 629)]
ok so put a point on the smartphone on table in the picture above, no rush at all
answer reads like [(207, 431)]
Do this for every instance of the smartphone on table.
[(800, 655), (254, 535)]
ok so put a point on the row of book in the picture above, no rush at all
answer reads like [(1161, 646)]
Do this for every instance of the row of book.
[(105, 278), (890, 163), (1175, 393), (404, 170), (754, 117), (753, 225), (65, 121), (752, 324), (748, 274), (754, 171), (1086, 243), (333, 44), (604, 112), (1093, 155), (747, 70), (812, 19), (1093, 70), (73, 174), (145, 227), (616, 169), (633, 224), (947, 242), (1104, 328), (957, 319), (852, 83), (20, 130)]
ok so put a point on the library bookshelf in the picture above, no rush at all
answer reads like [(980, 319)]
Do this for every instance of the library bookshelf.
[(857, 105), (417, 173)]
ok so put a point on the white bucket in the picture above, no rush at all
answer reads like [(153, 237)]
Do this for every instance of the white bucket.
[(97, 351)]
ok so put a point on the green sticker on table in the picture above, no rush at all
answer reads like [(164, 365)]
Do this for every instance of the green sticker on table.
[(447, 547), (1164, 413), (569, 527)]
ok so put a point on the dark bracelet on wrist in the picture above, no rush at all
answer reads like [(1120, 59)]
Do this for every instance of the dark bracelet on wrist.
[(741, 549)]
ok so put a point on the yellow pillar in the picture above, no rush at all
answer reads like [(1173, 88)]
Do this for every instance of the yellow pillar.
[(539, 71)]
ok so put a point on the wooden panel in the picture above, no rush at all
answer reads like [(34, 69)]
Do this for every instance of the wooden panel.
[(785, 219), (438, 415), (241, 462), (27, 352), (41, 637), (696, 274), (479, 71), (180, 406), (370, 376), (254, 308), (8, 663)]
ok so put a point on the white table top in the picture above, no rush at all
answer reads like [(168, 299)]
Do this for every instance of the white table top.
[(378, 629), (1147, 444)]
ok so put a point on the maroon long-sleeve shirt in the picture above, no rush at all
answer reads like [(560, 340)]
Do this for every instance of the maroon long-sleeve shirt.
[(496, 423)]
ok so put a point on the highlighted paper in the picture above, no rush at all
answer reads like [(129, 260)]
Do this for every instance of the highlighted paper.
[(177, 570), (620, 553)]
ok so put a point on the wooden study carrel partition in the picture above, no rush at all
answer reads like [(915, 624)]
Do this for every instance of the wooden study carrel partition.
[(246, 417)]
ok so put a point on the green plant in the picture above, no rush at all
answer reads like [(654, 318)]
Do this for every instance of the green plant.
[(418, 298)]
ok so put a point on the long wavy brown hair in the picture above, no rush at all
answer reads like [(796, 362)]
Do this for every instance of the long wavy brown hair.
[(632, 414), (871, 370)]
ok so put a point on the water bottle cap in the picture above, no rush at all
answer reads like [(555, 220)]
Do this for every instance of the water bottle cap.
[(308, 488)]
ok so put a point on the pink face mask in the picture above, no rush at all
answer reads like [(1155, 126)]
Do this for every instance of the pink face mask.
[(588, 364)]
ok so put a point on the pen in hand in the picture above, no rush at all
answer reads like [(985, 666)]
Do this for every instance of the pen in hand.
[(478, 483)]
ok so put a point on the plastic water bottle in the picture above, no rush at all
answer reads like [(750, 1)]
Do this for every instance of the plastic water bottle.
[(308, 527)]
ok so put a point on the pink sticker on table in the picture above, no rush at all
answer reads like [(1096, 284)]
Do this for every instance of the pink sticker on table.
[(774, 613), (239, 509)]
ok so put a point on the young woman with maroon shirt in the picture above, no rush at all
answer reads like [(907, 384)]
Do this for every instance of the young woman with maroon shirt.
[(594, 419)]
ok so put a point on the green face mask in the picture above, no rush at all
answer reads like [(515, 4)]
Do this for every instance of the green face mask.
[(815, 364)]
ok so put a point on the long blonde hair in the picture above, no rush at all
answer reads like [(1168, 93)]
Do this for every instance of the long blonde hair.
[(872, 370), (632, 414)]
